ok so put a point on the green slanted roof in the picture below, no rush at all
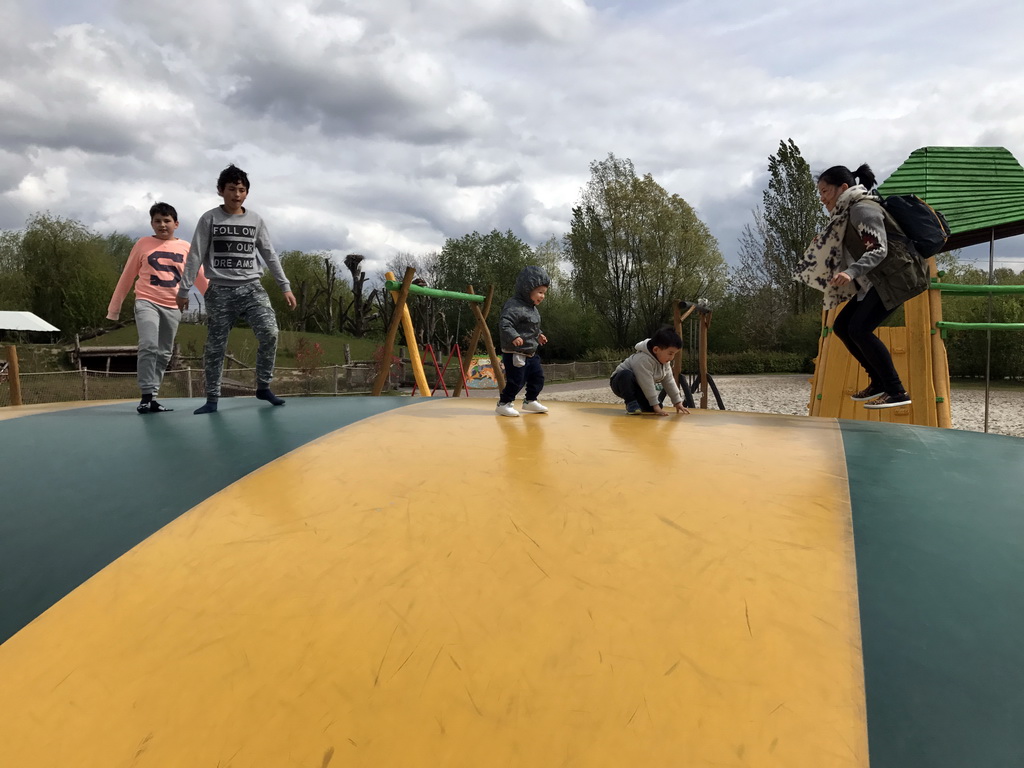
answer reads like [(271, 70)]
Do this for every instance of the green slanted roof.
[(980, 190)]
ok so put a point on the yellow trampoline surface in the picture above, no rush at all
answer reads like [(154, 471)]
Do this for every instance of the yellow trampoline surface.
[(388, 582)]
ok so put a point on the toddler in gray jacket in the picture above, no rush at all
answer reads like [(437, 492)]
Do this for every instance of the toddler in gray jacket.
[(521, 336)]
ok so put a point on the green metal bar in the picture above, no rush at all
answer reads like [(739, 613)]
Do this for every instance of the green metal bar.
[(980, 326), (396, 285), (976, 290)]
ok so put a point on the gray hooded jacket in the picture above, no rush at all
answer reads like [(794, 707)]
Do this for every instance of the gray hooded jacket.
[(520, 316), (648, 371)]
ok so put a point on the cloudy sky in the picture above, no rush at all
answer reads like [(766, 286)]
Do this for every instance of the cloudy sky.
[(384, 126)]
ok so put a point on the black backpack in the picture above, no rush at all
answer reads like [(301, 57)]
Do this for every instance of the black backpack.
[(925, 227)]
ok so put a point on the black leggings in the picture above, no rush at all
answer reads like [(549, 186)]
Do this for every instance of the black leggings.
[(855, 326)]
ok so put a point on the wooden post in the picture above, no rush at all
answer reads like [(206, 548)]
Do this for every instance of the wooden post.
[(940, 364), (348, 354), (190, 381), (480, 330), (678, 316), (13, 374), (389, 339), (481, 321), (705, 323), (677, 323), (474, 340)]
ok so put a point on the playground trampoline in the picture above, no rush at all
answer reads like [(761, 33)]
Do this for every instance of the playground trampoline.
[(413, 582)]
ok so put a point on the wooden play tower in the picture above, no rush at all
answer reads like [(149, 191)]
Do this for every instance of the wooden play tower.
[(980, 190)]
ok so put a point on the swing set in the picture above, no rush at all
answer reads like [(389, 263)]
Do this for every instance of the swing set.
[(480, 306)]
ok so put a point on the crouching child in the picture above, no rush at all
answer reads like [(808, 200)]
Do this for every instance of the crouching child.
[(636, 377)]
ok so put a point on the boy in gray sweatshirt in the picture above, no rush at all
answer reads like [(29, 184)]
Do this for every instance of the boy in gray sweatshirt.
[(225, 243), (635, 378)]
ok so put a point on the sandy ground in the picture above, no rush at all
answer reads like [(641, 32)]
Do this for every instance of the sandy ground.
[(790, 394)]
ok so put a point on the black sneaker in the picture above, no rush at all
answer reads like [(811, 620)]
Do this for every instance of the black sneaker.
[(889, 401), (870, 392), (633, 408), (152, 407)]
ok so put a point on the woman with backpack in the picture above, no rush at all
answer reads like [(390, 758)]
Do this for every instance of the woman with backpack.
[(862, 257)]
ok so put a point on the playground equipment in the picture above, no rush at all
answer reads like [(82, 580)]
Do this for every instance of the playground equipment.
[(701, 380), (918, 353), (980, 190), (400, 293)]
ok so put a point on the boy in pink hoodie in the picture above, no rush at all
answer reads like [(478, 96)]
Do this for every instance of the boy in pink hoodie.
[(157, 263)]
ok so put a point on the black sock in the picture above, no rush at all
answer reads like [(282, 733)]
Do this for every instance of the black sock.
[(209, 407), (264, 393), (146, 399)]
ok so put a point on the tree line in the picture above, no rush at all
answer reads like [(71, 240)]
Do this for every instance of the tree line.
[(632, 250)]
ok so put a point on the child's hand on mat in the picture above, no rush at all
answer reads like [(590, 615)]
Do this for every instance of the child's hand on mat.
[(680, 408)]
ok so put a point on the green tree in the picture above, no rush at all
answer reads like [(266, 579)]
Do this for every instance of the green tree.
[(69, 273), (635, 249), (483, 260), (118, 247), (15, 291), (793, 214)]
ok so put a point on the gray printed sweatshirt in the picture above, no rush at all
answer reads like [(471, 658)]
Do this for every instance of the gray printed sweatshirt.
[(648, 371), (226, 245)]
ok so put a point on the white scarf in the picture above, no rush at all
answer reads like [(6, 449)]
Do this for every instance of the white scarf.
[(823, 258)]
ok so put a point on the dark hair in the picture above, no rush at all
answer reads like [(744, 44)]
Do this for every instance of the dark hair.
[(838, 175), (666, 337), (163, 209), (232, 175)]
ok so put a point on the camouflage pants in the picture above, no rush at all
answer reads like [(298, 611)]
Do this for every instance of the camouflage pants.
[(225, 305)]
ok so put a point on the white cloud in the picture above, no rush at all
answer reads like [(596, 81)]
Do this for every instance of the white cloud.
[(390, 126)]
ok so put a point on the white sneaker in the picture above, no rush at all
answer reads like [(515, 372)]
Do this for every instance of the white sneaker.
[(534, 406), (506, 409)]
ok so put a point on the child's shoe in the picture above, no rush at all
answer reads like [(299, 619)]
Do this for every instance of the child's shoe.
[(534, 406), (633, 408), (506, 409), (152, 407)]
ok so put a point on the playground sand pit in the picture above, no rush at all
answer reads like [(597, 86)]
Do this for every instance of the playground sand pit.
[(789, 394)]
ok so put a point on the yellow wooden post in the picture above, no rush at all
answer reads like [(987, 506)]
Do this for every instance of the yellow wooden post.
[(410, 337), (389, 340), (13, 374)]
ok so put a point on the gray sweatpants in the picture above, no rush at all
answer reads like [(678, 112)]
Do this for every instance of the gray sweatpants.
[(157, 327), (226, 304)]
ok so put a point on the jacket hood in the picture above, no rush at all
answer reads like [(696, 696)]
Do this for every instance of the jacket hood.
[(529, 278), (641, 346)]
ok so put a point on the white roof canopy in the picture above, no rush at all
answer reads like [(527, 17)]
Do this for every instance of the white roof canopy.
[(24, 321)]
